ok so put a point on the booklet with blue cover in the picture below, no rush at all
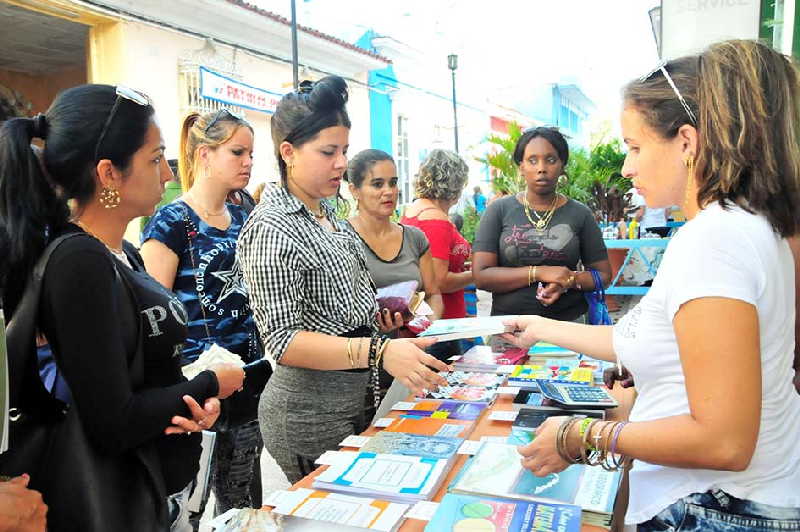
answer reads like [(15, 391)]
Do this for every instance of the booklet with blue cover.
[(458, 513), (496, 471)]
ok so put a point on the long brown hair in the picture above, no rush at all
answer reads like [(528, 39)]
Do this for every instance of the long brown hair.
[(746, 98), (195, 133)]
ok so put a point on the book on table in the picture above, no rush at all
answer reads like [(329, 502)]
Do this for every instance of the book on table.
[(463, 393), (483, 358), (546, 349), (467, 513), (529, 419), (302, 508), (393, 477), (496, 471), (525, 376), (431, 426), (458, 328), (473, 378), (443, 409), (437, 447)]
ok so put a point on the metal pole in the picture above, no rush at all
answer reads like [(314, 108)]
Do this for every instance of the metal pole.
[(295, 65), (455, 114)]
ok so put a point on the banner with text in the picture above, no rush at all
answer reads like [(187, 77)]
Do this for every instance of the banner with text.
[(223, 89)]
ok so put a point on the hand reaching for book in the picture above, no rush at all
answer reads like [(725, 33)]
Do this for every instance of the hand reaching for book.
[(405, 360), (523, 334), (540, 456)]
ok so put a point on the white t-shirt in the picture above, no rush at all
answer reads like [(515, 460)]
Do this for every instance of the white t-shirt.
[(653, 217), (736, 255)]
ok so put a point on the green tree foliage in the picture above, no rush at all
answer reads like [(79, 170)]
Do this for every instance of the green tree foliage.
[(505, 173), (595, 179)]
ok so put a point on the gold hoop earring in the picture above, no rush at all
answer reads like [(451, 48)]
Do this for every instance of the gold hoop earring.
[(689, 180), (289, 171), (358, 206), (109, 198), (563, 180)]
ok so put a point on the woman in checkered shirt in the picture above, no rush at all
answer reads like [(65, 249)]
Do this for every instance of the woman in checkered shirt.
[(311, 294)]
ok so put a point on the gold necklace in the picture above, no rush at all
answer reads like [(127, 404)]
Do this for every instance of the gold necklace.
[(89, 232), (541, 222)]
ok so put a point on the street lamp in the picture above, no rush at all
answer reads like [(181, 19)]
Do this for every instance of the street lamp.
[(452, 63)]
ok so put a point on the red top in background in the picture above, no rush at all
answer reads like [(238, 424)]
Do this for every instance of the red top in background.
[(446, 244)]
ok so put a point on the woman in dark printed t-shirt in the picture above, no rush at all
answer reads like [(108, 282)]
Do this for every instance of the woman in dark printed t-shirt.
[(529, 245)]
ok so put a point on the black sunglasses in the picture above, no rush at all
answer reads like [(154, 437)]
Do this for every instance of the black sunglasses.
[(218, 116), (123, 93)]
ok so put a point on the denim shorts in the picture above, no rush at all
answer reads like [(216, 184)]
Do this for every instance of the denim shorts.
[(717, 511)]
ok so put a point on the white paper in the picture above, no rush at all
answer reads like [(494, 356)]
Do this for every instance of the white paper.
[(404, 405), (384, 422), (503, 415), (213, 355), (331, 458), (455, 357), (354, 441), (493, 439), (470, 447), (423, 510), (510, 390)]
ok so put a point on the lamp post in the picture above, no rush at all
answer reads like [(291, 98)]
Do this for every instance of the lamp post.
[(452, 63)]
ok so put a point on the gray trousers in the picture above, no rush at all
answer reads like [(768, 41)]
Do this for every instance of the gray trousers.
[(305, 412)]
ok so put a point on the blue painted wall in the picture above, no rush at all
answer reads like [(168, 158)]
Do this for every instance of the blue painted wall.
[(380, 104)]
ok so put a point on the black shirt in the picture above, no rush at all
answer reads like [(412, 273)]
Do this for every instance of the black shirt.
[(93, 326)]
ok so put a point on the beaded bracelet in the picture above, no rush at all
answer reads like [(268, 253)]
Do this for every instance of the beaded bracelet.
[(593, 457), (373, 353)]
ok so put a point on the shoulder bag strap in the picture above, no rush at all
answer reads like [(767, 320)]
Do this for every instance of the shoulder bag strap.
[(21, 333)]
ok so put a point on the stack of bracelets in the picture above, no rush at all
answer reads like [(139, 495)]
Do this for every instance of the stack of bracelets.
[(601, 452), (377, 348)]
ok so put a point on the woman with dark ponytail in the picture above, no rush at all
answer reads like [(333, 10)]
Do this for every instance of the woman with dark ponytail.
[(112, 328), (312, 296)]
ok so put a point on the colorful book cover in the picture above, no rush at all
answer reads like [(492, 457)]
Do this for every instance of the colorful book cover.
[(496, 471), (468, 411), (395, 477), (463, 393), (337, 508), (473, 378), (520, 436), (430, 426), (483, 358), (526, 375), (436, 447), (465, 513)]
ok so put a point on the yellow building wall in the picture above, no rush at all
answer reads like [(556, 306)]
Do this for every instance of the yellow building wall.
[(40, 90)]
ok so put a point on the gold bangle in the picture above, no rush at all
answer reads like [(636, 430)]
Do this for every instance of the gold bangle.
[(381, 351), (358, 352), (530, 280), (533, 277), (350, 352)]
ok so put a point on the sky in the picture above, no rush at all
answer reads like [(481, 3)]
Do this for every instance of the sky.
[(506, 46)]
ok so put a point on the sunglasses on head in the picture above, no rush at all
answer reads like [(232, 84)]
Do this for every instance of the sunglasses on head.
[(123, 93), (220, 114), (662, 67)]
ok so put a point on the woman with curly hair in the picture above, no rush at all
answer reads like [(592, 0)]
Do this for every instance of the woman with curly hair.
[(439, 184)]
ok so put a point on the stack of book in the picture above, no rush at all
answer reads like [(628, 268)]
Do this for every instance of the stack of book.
[(562, 371), (432, 426), (302, 507), (496, 471), (468, 386), (466, 513), (463, 410), (548, 350)]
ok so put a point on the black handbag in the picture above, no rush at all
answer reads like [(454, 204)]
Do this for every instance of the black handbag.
[(84, 488)]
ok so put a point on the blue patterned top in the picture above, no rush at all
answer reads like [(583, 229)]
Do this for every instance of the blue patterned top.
[(208, 271)]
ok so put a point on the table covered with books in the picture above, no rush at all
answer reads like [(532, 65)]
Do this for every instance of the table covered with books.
[(416, 433)]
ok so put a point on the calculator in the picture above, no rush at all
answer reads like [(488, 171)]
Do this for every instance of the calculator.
[(576, 395)]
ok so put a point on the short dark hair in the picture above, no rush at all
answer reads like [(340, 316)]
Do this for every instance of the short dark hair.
[(550, 134), (303, 113), (30, 207), (362, 163)]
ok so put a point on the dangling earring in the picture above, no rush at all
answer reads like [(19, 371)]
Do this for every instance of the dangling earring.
[(109, 198), (689, 180), (563, 180), (358, 207), (289, 170)]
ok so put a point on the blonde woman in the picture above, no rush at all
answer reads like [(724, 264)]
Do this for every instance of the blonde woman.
[(189, 246)]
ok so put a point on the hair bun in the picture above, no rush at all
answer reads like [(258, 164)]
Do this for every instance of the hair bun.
[(39, 123), (327, 94)]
